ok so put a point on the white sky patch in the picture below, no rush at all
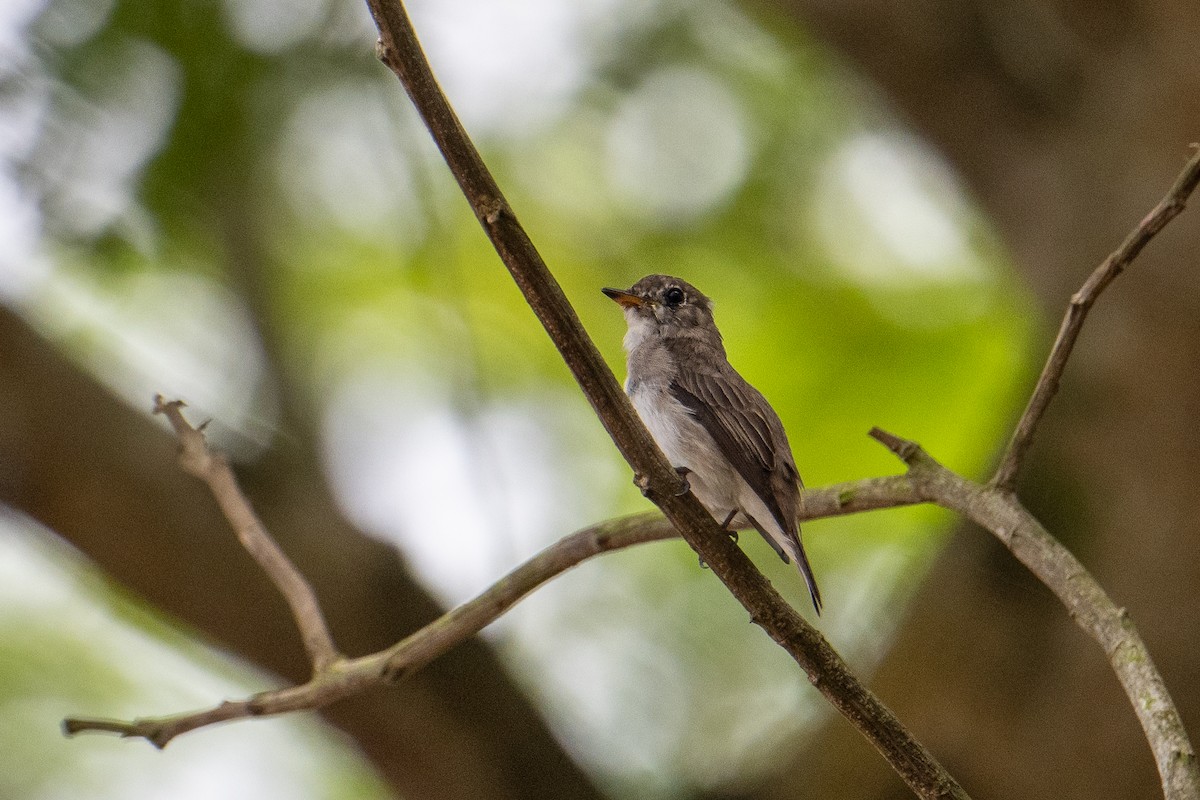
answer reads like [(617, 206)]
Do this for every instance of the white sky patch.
[(15, 17), (467, 493), (173, 333), (890, 213), (342, 159), (23, 107), (678, 146), (271, 26), (22, 266), (512, 65), (94, 160), (636, 711)]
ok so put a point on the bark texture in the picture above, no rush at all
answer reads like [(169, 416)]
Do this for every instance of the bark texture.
[(1067, 120), (105, 477)]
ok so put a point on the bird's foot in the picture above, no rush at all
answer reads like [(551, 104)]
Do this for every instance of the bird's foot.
[(733, 534), (642, 482), (684, 486)]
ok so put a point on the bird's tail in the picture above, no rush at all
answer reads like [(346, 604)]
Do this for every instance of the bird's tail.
[(806, 570), (790, 548)]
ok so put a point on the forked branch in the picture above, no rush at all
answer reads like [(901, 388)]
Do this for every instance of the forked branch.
[(1077, 310), (400, 50), (199, 460), (347, 676), (993, 506), (1089, 605)]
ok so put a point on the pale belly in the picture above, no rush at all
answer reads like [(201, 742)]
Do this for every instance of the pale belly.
[(685, 443), (713, 480)]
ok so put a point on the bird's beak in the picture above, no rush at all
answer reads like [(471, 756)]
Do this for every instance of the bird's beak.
[(626, 299)]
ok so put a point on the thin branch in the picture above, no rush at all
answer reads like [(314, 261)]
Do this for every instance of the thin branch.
[(351, 676), (925, 481), (161, 730), (1081, 302), (198, 460), (400, 50), (1089, 605), (994, 506)]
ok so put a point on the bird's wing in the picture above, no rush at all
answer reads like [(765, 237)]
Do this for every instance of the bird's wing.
[(748, 433)]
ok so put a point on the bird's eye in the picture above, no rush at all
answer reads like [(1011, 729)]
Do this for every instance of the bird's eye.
[(673, 296)]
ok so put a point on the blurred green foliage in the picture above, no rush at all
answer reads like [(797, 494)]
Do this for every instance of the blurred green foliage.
[(290, 182), (74, 643)]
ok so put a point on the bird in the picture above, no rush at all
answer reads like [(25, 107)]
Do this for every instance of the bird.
[(716, 429)]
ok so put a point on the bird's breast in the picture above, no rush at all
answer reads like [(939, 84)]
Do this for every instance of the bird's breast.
[(665, 417), (686, 443)]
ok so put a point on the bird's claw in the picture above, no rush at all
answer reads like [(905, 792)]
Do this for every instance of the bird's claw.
[(733, 534), (684, 486), (642, 482)]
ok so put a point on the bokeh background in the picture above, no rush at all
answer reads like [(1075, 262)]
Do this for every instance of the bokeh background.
[(232, 202)]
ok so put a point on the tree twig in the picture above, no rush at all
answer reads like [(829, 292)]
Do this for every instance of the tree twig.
[(925, 481), (1081, 302), (1091, 608), (400, 50), (200, 461), (350, 676), (993, 506)]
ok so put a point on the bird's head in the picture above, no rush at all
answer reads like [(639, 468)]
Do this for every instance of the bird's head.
[(672, 305)]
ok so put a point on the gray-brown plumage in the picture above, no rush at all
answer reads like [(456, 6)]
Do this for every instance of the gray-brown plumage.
[(707, 418)]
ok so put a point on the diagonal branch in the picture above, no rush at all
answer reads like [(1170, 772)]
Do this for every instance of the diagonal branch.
[(198, 460), (1089, 605), (400, 50), (925, 481), (1081, 303), (346, 677), (994, 506)]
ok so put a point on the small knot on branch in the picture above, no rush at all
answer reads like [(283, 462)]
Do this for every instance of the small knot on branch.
[(684, 486), (907, 451), (491, 209), (137, 729), (845, 497), (256, 706), (194, 456), (385, 53), (394, 673)]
